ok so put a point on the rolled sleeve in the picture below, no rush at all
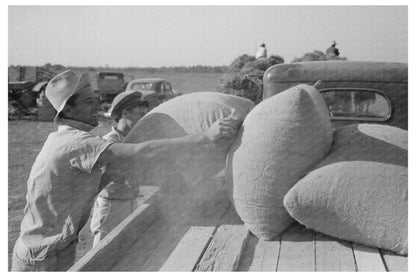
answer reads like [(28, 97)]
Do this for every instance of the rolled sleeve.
[(86, 150)]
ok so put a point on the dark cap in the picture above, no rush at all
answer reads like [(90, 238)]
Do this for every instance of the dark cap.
[(124, 99)]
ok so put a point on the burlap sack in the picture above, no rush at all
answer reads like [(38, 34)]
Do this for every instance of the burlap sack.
[(188, 114), (359, 192), (281, 139)]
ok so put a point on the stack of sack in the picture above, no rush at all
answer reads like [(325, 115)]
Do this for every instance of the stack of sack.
[(184, 175), (286, 163), (281, 139)]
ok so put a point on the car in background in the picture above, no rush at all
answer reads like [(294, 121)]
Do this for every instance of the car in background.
[(355, 92), (108, 85), (154, 90)]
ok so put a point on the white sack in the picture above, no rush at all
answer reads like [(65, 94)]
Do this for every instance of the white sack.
[(281, 139), (188, 114), (359, 192)]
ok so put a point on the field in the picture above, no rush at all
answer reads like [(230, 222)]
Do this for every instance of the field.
[(25, 140), (181, 82)]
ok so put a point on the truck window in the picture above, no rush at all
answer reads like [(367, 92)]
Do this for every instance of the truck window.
[(144, 86), (110, 77), (166, 86), (357, 104)]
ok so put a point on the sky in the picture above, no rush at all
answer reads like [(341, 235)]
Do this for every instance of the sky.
[(154, 36)]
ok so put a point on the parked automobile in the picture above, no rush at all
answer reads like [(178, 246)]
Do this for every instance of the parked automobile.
[(355, 92), (155, 90), (109, 84)]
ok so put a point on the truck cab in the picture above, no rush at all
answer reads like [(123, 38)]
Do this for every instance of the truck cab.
[(355, 92), (109, 84)]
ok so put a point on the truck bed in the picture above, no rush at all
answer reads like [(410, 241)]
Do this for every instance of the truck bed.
[(217, 240)]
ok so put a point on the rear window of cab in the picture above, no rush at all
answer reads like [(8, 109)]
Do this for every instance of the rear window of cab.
[(357, 104)]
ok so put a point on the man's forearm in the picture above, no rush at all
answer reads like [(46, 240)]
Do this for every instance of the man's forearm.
[(154, 148)]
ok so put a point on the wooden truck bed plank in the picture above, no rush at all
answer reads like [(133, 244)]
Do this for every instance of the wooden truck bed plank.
[(215, 239), (106, 253), (135, 256), (368, 258), (297, 251), (226, 247), (167, 245), (200, 217), (189, 250), (151, 251), (332, 254), (259, 255), (394, 262)]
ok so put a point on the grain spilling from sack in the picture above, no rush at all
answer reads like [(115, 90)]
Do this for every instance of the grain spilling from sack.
[(187, 115), (280, 140), (181, 174), (359, 192)]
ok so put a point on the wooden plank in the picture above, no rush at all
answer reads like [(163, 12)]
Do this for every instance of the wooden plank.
[(394, 262), (189, 250), (259, 255), (332, 254), (164, 249), (296, 249), (105, 254), (368, 258), (134, 258), (225, 249), (205, 213), (154, 247)]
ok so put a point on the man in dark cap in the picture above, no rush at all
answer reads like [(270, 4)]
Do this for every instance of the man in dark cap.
[(118, 198)]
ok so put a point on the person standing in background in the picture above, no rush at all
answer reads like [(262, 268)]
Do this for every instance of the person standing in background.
[(262, 52), (332, 51)]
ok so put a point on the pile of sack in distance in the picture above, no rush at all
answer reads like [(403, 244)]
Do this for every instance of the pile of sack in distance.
[(286, 164)]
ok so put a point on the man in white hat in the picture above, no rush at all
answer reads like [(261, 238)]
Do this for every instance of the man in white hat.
[(65, 176), (118, 198)]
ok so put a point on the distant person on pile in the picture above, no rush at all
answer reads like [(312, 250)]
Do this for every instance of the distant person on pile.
[(332, 51), (262, 52), (65, 177), (118, 199)]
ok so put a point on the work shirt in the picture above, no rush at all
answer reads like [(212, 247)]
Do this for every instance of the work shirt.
[(61, 188), (119, 188)]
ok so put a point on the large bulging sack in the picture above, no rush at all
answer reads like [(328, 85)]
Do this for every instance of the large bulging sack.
[(280, 140), (359, 192), (188, 114)]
